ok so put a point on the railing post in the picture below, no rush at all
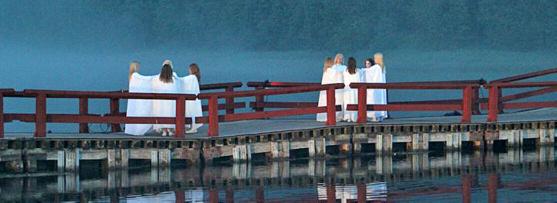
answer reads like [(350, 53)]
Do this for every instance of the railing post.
[(213, 116), (467, 98), (259, 100), (500, 102), (40, 115), (331, 106), (83, 110), (229, 101), (493, 103), (1, 116), (114, 111), (180, 116), (362, 104)]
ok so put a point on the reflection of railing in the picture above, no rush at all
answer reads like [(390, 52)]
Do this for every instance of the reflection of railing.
[(361, 192)]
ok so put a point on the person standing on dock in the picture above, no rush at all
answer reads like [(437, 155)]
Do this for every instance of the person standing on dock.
[(339, 63), (166, 82), (138, 107), (330, 76), (350, 75), (190, 85), (375, 73)]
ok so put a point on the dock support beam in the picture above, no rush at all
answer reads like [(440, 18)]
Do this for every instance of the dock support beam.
[(72, 157), (280, 150), (384, 143), (420, 142), (317, 147), (241, 153)]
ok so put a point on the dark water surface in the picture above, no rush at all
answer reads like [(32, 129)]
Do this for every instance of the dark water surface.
[(511, 176)]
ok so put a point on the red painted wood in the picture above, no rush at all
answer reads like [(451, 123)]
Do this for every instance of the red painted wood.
[(467, 97), (220, 86), (101, 95), (331, 106), (525, 76), (213, 117), (362, 105), (180, 196), (525, 84), (526, 105), (1, 115), (259, 99), (413, 85), (267, 92), (115, 110), (237, 105), (532, 93), (493, 104), (269, 104), (40, 115), (83, 110), (180, 117), (271, 114), (409, 107), (331, 193), (229, 101)]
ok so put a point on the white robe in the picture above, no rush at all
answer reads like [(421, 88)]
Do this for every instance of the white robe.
[(190, 85), (164, 108), (375, 74), (331, 76), (339, 68), (350, 95), (139, 107)]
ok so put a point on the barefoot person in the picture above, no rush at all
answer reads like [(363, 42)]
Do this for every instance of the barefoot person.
[(350, 75), (190, 85), (330, 76), (138, 107), (165, 83)]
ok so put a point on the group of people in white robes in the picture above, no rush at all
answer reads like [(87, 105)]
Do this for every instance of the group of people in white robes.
[(334, 71), (165, 82)]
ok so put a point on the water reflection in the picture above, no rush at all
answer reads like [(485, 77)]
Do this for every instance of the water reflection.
[(466, 177)]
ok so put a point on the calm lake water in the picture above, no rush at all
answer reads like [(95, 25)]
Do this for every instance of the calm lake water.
[(508, 176)]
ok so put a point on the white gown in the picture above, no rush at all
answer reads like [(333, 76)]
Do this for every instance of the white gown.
[(350, 95), (375, 74), (139, 107), (339, 68), (164, 108), (331, 76), (190, 85)]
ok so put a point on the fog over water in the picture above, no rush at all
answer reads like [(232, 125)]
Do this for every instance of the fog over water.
[(87, 45)]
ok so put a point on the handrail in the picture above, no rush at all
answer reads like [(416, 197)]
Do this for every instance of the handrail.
[(220, 85), (106, 95), (525, 76), (295, 84), (251, 93), (467, 104)]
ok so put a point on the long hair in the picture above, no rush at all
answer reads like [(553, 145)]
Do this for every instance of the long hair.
[(166, 74), (328, 63), (194, 70), (370, 60), (134, 67), (339, 58), (381, 63), (351, 65)]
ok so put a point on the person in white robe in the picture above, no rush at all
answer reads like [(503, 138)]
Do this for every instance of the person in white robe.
[(350, 75), (339, 63), (375, 73), (190, 85), (330, 76), (165, 82), (138, 107)]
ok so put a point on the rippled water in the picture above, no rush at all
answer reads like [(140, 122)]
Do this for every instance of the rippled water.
[(510, 176)]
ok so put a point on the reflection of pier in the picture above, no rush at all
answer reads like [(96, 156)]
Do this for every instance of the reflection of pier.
[(228, 180)]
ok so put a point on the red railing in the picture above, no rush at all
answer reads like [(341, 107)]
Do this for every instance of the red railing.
[(466, 104), (260, 104), (497, 102), (214, 118), (230, 105), (41, 117)]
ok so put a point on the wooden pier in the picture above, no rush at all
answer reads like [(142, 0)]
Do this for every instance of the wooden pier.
[(260, 134)]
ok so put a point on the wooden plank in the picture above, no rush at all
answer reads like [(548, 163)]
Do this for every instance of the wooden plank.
[(525, 105), (270, 114)]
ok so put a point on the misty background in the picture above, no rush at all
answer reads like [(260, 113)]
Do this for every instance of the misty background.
[(87, 45)]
